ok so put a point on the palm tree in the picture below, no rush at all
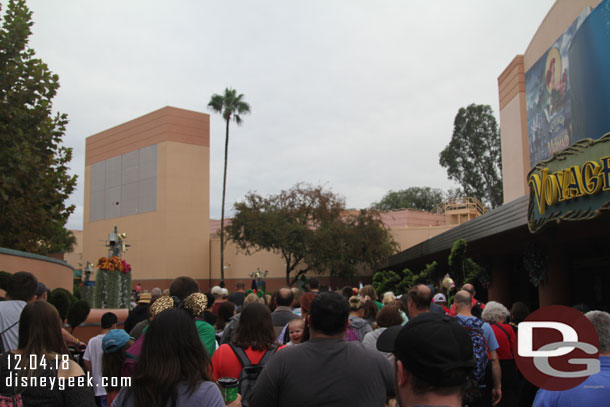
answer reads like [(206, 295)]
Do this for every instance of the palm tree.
[(230, 106)]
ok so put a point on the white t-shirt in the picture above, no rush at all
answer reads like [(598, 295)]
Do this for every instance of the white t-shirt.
[(93, 354), (10, 312)]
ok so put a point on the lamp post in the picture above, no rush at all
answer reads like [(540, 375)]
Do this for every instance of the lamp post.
[(87, 272)]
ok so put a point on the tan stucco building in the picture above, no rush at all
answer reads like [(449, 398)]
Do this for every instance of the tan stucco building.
[(149, 177)]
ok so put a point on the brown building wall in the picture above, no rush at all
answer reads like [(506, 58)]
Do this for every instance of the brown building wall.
[(51, 273), (166, 124), (173, 240)]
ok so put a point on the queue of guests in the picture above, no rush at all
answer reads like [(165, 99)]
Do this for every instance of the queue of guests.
[(290, 349)]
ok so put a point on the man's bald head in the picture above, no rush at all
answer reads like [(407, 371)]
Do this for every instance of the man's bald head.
[(285, 297), (463, 297), (421, 297), (470, 288)]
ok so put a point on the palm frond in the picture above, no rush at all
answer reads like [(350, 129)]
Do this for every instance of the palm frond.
[(229, 105)]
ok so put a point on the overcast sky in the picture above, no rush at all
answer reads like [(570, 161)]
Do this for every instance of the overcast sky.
[(358, 96)]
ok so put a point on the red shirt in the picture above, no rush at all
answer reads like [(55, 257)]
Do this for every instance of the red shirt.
[(216, 307), (453, 313), (507, 343), (226, 364)]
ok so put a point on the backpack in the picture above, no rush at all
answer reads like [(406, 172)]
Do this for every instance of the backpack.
[(474, 326), (352, 334), (131, 357), (249, 372)]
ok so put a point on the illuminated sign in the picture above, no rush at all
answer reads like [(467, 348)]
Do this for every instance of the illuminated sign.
[(573, 185)]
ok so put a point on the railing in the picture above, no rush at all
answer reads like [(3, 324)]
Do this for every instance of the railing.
[(459, 204)]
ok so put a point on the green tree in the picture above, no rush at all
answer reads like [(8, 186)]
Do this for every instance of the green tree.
[(420, 198), (309, 228), (231, 106), (400, 282), (473, 157), (463, 269), (34, 178)]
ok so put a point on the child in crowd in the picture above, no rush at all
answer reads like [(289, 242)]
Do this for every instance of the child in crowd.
[(114, 345), (295, 331)]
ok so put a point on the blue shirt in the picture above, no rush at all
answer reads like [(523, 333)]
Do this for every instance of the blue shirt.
[(595, 391), (488, 333)]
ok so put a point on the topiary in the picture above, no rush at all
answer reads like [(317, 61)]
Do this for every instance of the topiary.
[(61, 299), (78, 313), (4, 277)]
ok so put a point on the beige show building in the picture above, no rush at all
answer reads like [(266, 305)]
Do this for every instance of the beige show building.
[(149, 177)]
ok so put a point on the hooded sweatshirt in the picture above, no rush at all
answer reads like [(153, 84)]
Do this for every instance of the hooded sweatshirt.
[(361, 325)]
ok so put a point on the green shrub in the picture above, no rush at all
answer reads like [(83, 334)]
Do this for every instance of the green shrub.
[(4, 276), (78, 313), (62, 300)]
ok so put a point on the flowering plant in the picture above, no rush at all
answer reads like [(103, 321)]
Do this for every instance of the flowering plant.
[(126, 267), (113, 263)]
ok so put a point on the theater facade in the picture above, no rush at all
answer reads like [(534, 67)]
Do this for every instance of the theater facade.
[(549, 243)]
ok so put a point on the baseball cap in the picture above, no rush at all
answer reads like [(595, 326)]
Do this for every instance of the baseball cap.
[(145, 298), (439, 298), (430, 346), (40, 289), (216, 290), (114, 340)]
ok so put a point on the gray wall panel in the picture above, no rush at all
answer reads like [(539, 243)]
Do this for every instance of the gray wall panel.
[(96, 207), (148, 162), (113, 172), (148, 195), (129, 199), (97, 181), (124, 185), (113, 202)]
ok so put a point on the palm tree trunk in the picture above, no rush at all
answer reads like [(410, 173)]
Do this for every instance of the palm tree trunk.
[(222, 216)]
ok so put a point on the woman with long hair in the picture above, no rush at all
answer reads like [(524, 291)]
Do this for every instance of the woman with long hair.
[(173, 367), (42, 358), (254, 337)]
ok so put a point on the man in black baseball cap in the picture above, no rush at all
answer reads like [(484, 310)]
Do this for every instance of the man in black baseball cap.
[(434, 358)]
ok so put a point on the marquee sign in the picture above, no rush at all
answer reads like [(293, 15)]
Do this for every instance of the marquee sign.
[(573, 185)]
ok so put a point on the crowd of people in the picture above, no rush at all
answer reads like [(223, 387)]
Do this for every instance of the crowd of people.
[(287, 348)]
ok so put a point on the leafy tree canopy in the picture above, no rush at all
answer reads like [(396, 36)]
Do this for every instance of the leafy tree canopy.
[(473, 157), (420, 198), (463, 268), (34, 178), (400, 282), (309, 227)]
